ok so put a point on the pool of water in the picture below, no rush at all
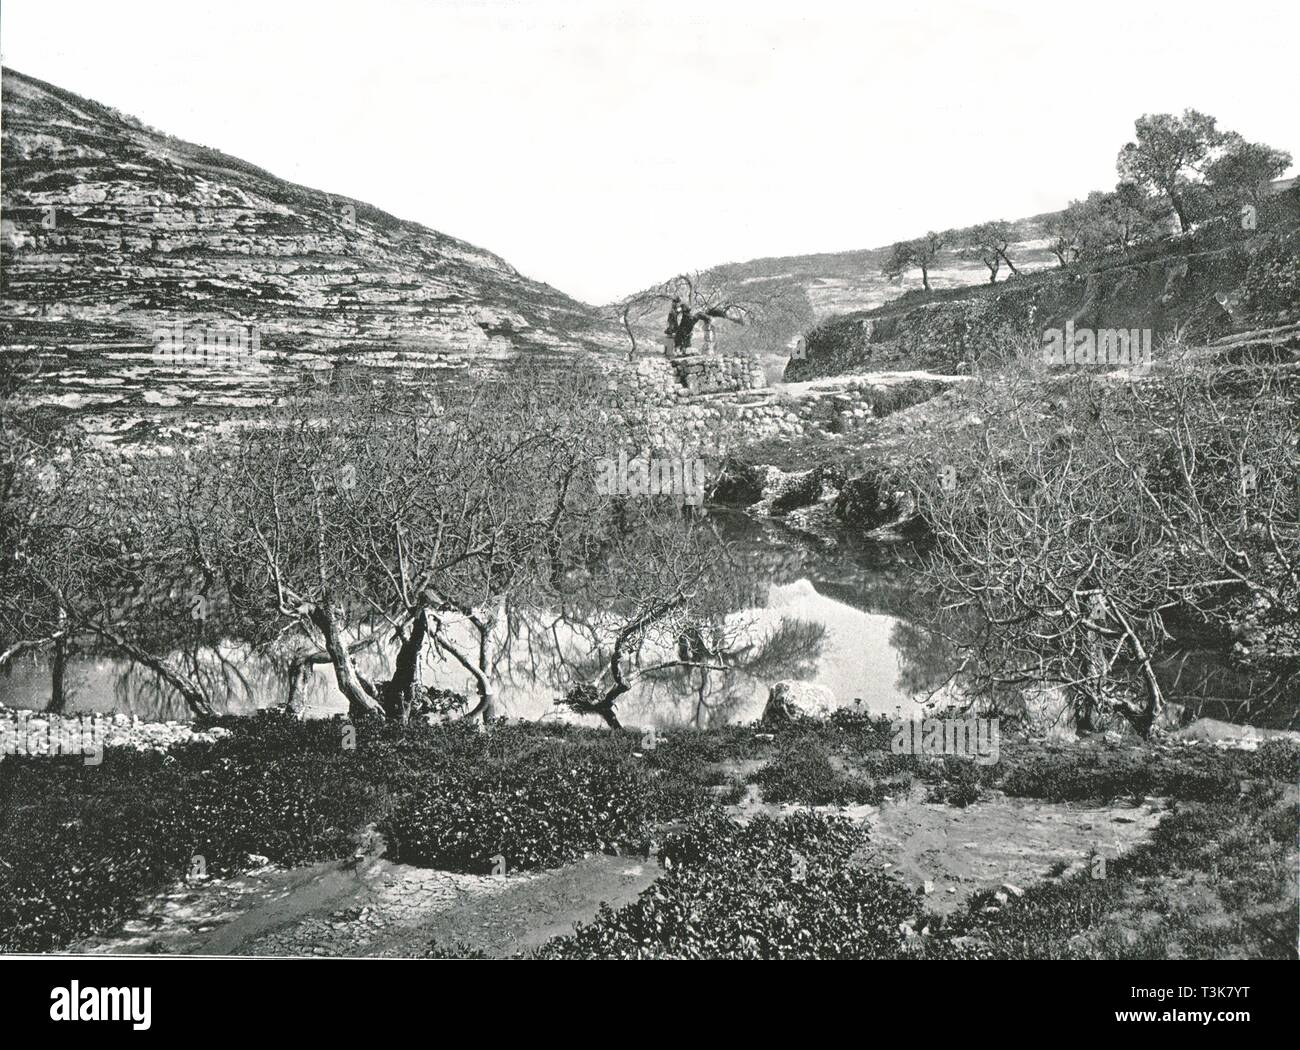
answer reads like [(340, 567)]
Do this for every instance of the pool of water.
[(837, 611), (837, 616)]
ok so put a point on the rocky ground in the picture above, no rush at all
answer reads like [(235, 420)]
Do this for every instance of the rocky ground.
[(42, 733)]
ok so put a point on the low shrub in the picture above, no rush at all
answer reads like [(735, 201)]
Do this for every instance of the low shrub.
[(1278, 760), (960, 785), (769, 889), (802, 772), (538, 811)]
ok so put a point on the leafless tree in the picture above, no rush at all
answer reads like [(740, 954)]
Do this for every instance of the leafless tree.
[(1085, 514), (712, 295), (349, 520), (115, 549), (386, 519), (652, 602)]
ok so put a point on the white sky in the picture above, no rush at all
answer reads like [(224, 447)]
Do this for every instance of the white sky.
[(603, 145)]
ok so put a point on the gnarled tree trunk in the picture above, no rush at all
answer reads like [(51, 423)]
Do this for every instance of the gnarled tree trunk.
[(359, 693)]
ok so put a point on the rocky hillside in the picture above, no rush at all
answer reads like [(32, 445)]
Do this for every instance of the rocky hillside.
[(836, 283), (112, 230), (838, 292), (839, 282), (1207, 286)]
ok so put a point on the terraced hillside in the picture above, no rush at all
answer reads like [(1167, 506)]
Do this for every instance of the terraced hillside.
[(112, 230)]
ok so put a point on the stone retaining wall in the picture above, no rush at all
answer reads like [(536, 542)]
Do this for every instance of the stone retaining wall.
[(698, 403), (716, 404)]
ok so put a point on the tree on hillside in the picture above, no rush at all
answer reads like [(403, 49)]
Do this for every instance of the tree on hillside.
[(1243, 169), (1064, 231), (925, 251), (898, 261), (1169, 158), (1128, 217), (713, 295), (920, 253), (1108, 222), (988, 242)]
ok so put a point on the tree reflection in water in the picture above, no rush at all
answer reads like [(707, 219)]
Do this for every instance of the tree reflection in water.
[(754, 634)]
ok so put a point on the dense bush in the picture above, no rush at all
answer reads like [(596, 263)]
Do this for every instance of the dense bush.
[(1193, 775), (802, 772), (81, 847), (959, 785), (792, 888), (770, 889), (1278, 760), (542, 810), (1272, 285)]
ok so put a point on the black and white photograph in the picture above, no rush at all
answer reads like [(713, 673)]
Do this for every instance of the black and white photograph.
[(537, 480)]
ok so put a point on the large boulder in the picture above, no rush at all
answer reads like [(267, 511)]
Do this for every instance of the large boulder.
[(788, 701)]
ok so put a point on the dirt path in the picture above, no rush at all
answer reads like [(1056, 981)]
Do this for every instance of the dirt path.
[(988, 843), (377, 909)]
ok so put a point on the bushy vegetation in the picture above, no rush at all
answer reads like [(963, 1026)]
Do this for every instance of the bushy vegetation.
[(802, 771), (80, 846), (1207, 886), (799, 888), (960, 785), (1278, 760), (1194, 775), (535, 810), (1272, 285), (770, 889)]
